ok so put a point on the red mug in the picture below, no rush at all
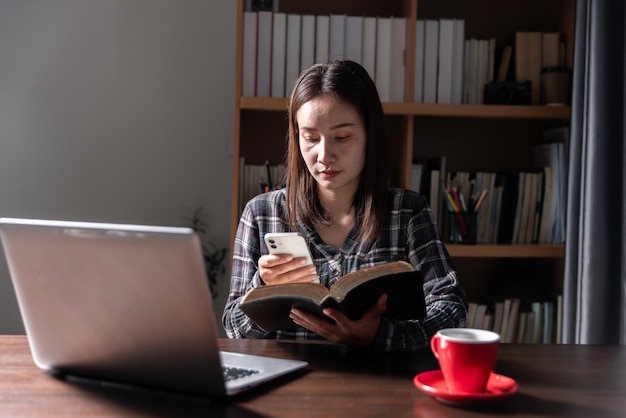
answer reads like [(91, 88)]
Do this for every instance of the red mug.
[(466, 357)]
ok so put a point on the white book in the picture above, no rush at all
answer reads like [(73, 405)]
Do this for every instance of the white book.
[(521, 328), (354, 39), (531, 185), (418, 94), (513, 321), (292, 65), (416, 176), (506, 310), (435, 187), (369, 46), (307, 42), (483, 70), (498, 313), (337, 39), (548, 323), (519, 208), (472, 79), (538, 327), (264, 55), (479, 316), (383, 58), (484, 214), (458, 55), (322, 36), (537, 210), (431, 51), (559, 319), (248, 73), (466, 71), (445, 58), (488, 322), (398, 46), (471, 314), (530, 327), (547, 207), (496, 213), (279, 43)]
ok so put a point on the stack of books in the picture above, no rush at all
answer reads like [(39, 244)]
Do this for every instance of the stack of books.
[(519, 321)]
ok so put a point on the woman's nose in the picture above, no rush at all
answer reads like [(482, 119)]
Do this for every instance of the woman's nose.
[(326, 152)]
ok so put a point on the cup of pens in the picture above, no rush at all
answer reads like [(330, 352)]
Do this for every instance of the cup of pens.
[(462, 227), (461, 215)]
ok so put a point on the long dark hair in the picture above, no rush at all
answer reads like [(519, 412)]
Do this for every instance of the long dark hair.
[(350, 82)]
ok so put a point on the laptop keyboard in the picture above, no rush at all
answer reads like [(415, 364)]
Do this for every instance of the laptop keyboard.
[(233, 373)]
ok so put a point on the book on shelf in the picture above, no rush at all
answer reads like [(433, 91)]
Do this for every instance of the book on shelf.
[(354, 39), (450, 52), (353, 294), (478, 70), (337, 37), (549, 156), (264, 54), (369, 46), (520, 320), (383, 58), (292, 61), (445, 61), (258, 178), (398, 46), (431, 51), (416, 176), (510, 333), (418, 93), (248, 73), (530, 327), (508, 206), (505, 63), (458, 53), (551, 49), (307, 42), (527, 51), (322, 35), (279, 43)]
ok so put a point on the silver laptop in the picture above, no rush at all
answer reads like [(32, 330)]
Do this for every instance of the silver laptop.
[(124, 303)]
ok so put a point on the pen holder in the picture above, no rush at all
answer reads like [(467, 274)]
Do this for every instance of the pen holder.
[(462, 227)]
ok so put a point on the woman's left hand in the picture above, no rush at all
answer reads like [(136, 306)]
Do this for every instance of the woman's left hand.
[(359, 333)]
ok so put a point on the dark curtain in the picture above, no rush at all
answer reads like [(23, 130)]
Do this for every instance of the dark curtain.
[(595, 263)]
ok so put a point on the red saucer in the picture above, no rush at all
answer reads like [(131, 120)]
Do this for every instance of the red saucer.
[(433, 384)]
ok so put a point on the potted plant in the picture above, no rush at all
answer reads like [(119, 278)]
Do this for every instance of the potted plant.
[(214, 257)]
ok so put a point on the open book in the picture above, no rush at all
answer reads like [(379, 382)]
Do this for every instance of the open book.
[(353, 294)]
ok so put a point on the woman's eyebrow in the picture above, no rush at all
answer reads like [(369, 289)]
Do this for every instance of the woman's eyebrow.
[(337, 126)]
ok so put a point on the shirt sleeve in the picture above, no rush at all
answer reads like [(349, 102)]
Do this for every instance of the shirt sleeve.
[(446, 305), (244, 276)]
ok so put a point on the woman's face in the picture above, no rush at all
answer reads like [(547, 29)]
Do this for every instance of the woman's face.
[(332, 142)]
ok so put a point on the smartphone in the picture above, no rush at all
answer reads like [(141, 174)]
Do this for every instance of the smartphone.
[(288, 243)]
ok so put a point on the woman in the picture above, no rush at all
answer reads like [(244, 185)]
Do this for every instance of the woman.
[(337, 196)]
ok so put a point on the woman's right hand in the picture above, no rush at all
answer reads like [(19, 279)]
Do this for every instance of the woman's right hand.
[(283, 268)]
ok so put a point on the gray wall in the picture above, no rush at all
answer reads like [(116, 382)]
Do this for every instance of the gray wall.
[(115, 110)]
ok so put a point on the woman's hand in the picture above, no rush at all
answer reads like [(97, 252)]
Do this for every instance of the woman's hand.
[(359, 333), (283, 268)]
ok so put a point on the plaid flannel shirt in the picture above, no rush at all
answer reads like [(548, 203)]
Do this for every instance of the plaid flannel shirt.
[(410, 234)]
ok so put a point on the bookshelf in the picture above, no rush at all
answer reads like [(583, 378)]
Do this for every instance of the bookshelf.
[(473, 137)]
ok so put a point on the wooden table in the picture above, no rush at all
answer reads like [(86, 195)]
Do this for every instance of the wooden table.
[(554, 381)]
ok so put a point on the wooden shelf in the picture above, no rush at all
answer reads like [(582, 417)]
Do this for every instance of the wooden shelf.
[(506, 251), (434, 110)]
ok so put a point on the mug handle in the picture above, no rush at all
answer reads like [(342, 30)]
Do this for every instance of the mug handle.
[(434, 345)]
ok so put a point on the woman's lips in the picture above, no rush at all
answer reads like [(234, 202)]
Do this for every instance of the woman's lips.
[(329, 174)]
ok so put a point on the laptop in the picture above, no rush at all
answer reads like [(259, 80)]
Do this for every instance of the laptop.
[(125, 304)]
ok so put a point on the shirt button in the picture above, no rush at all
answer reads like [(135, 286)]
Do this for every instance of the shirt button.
[(336, 273)]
